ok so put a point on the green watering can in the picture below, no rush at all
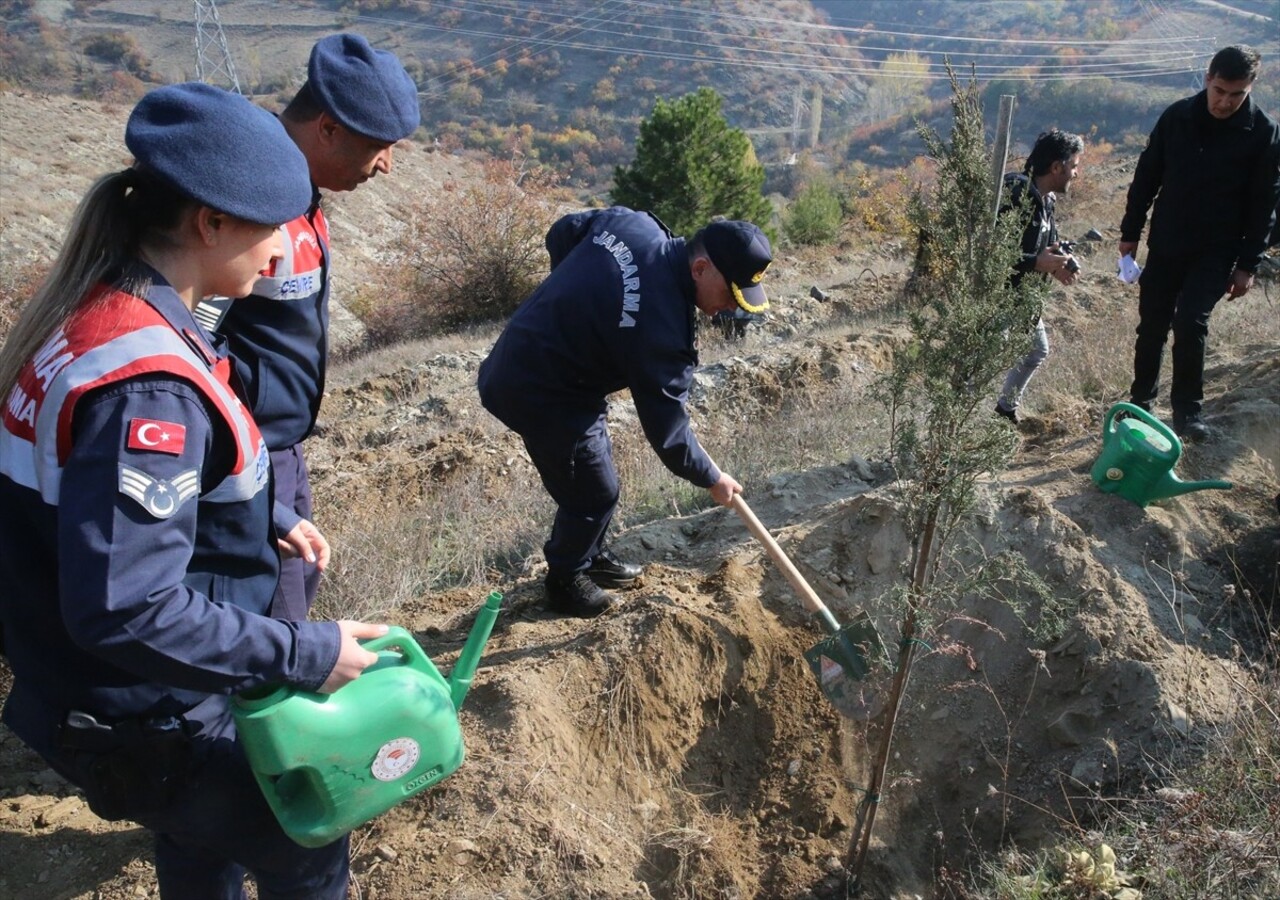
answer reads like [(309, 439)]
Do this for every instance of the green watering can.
[(328, 763), (1138, 456)]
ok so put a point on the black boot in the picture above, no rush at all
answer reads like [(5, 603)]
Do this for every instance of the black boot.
[(1125, 414), (607, 570), (1010, 414), (1191, 426), (576, 595)]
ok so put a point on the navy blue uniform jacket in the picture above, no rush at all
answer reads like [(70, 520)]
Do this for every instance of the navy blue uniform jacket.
[(137, 559), (1214, 183), (279, 335), (616, 312)]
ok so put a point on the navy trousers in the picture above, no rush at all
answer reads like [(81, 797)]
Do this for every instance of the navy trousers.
[(299, 579), (1177, 293), (219, 827), (574, 457)]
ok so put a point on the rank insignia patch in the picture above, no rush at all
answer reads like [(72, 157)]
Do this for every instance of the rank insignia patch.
[(157, 496)]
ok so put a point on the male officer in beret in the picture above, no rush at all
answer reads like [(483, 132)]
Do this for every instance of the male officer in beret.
[(617, 312), (356, 104)]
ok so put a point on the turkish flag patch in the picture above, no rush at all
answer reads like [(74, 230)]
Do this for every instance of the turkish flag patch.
[(156, 436)]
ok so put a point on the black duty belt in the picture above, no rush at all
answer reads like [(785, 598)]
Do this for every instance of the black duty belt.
[(82, 731)]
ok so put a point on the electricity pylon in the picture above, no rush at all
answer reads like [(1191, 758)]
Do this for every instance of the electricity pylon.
[(213, 59)]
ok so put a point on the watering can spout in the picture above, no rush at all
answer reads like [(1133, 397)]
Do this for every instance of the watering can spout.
[(1173, 486), (465, 668)]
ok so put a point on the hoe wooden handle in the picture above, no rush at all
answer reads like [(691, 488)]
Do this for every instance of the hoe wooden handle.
[(807, 595)]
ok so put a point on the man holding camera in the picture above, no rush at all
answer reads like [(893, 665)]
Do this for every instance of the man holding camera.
[(1051, 166), (1212, 169)]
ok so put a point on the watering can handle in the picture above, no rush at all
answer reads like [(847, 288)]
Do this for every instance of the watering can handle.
[(1139, 413), (398, 637), (812, 602)]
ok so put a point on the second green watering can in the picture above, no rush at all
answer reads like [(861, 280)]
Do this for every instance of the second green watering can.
[(1138, 455)]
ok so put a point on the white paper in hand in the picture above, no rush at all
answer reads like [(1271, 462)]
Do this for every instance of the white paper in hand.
[(1128, 269)]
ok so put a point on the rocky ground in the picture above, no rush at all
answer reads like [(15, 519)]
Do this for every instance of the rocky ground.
[(678, 747)]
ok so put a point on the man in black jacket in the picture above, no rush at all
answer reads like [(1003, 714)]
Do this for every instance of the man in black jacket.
[(617, 312), (1051, 166), (1212, 168)]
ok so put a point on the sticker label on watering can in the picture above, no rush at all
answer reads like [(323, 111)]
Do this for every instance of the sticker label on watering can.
[(395, 759)]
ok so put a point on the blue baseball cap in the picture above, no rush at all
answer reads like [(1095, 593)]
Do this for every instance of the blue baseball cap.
[(741, 252), (220, 150), (367, 90)]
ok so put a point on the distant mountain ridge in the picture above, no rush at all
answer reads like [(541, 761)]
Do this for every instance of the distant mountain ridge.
[(566, 82)]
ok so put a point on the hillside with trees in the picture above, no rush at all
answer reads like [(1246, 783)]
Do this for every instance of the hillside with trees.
[(567, 83)]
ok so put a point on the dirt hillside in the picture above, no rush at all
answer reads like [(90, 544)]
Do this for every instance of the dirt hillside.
[(678, 747), (53, 147)]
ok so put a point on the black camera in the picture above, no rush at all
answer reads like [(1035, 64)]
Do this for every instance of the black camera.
[(1069, 248)]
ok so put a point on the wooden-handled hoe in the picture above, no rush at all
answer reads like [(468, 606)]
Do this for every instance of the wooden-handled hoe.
[(843, 658)]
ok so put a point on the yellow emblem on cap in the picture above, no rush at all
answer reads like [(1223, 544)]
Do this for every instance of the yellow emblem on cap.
[(759, 276), (742, 301)]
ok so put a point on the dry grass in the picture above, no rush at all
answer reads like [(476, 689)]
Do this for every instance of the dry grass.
[(688, 858), (456, 536), (17, 284), (1211, 830)]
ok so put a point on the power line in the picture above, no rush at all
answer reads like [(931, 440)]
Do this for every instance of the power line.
[(704, 13), (1113, 68), (1160, 59)]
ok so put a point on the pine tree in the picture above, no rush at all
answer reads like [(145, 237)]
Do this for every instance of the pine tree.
[(814, 217), (691, 165), (968, 325)]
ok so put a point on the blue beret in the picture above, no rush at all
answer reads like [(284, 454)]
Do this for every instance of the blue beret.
[(366, 90), (741, 252), (222, 151)]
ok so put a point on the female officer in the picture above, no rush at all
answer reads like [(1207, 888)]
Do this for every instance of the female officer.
[(137, 554)]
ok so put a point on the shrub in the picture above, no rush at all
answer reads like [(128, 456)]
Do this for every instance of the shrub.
[(876, 201), (121, 50), (814, 217), (468, 254)]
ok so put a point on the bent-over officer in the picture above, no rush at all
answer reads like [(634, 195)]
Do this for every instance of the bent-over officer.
[(617, 312)]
